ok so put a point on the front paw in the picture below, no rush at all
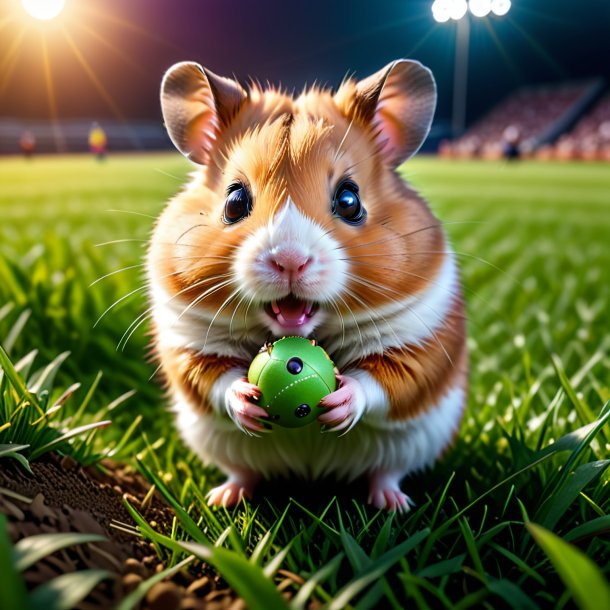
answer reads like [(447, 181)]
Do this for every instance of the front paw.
[(241, 408), (345, 406)]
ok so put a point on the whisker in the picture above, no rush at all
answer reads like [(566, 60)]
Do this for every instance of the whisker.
[(339, 154), (218, 312), (147, 313), (206, 293), (132, 212), (336, 308), (243, 298), (403, 235), (103, 277), (379, 288), (354, 318), (189, 230)]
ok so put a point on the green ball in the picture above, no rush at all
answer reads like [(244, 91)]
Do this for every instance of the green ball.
[(293, 375)]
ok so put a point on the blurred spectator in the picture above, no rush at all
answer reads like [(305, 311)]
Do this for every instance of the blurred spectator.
[(510, 146), (27, 143), (98, 141)]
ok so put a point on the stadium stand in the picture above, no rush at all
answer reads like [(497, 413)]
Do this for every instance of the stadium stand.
[(526, 120), (73, 136), (588, 140)]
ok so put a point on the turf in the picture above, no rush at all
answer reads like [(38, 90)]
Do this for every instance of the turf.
[(532, 240)]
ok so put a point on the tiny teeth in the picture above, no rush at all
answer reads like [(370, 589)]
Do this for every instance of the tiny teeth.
[(275, 308)]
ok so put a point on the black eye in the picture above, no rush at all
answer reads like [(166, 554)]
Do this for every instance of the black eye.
[(294, 366), (347, 204), (238, 204)]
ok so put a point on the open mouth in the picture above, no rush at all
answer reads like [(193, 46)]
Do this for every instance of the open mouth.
[(291, 312)]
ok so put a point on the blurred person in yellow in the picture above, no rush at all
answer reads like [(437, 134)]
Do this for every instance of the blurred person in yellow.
[(98, 141)]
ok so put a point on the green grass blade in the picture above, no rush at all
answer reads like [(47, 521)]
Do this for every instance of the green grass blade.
[(66, 436), (383, 538), (376, 569), (318, 577), (442, 568), (355, 554), (557, 504), (67, 590), (16, 381), (9, 448), (185, 519), (595, 527), (44, 380), (16, 329), (132, 600), (12, 588), (20, 458), (248, 579), (33, 548), (581, 576), (512, 594)]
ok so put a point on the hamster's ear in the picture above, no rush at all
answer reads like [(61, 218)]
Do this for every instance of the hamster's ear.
[(398, 102), (196, 105)]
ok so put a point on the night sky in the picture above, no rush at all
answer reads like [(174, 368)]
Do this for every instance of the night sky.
[(129, 43)]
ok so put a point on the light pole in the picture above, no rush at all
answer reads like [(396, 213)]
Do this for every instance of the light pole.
[(457, 10)]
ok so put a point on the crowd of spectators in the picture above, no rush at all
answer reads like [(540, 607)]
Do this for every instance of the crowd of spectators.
[(513, 127), (588, 140)]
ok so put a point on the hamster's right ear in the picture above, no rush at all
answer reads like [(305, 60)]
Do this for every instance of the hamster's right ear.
[(196, 105)]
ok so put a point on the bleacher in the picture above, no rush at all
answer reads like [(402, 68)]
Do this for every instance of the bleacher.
[(530, 119), (72, 136)]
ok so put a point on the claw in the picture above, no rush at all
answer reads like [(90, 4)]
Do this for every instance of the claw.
[(242, 410), (344, 406)]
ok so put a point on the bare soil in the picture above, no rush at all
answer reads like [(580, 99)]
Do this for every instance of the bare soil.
[(64, 497)]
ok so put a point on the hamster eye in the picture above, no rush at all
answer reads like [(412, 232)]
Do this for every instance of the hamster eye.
[(347, 204), (238, 204)]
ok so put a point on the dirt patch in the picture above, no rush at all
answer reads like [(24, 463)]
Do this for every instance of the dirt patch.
[(63, 497)]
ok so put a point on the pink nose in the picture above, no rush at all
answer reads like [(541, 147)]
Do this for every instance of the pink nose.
[(290, 262)]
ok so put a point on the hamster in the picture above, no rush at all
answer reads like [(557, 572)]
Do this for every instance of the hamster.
[(296, 222)]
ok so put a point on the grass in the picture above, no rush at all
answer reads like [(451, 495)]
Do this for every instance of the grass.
[(525, 488)]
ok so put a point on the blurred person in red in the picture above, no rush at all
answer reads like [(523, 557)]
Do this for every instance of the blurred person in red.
[(27, 143)]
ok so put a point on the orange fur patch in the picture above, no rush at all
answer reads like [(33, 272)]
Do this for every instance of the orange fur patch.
[(415, 378), (195, 374)]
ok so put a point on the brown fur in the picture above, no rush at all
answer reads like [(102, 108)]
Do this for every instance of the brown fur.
[(415, 378), (279, 147), (195, 374)]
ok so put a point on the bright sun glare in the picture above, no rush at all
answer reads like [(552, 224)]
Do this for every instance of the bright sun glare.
[(43, 9)]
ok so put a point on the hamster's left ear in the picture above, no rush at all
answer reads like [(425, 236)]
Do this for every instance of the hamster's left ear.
[(398, 103), (197, 104)]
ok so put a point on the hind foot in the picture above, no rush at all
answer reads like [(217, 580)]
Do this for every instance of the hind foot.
[(234, 489), (385, 492)]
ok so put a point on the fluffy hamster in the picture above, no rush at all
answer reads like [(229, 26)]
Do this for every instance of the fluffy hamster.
[(296, 222)]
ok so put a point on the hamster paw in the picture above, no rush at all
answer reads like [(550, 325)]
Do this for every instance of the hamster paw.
[(233, 491), (385, 493), (345, 406), (242, 410)]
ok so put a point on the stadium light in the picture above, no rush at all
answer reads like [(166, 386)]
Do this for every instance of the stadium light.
[(500, 7), (480, 8), (457, 10), (43, 9)]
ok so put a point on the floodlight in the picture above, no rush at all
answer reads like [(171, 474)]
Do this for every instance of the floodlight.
[(43, 9), (440, 10), (480, 8), (457, 9), (500, 7)]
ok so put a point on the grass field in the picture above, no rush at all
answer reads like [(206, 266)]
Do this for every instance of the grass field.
[(492, 520)]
